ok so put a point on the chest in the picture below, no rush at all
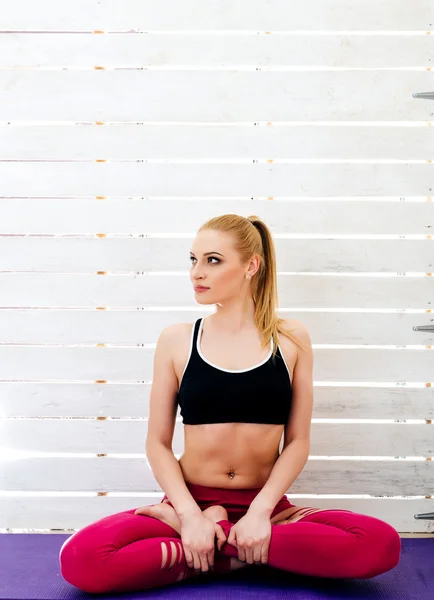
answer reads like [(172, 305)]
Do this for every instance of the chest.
[(232, 355)]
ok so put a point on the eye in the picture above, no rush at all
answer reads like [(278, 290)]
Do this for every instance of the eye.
[(210, 257)]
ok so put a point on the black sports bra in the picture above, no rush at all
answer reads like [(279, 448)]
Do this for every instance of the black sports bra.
[(210, 394)]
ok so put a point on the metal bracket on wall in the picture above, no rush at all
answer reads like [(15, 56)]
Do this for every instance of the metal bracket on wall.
[(423, 328), (424, 95)]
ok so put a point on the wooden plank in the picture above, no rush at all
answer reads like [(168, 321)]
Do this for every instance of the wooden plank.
[(206, 95), (131, 365), (62, 399), (135, 327), (111, 474), (23, 179), (131, 49), (394, 216), (293, 140), (301, 296), (208, 15), (153, 255), (121, 436), (51, 514)]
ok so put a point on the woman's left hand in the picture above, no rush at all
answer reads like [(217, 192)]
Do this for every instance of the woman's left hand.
[(251, 536)]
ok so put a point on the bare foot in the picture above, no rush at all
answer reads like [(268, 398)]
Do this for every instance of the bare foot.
[(162, 512), (216, 513), (166, 513)]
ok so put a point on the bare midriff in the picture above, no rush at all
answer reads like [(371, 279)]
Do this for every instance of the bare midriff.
[(230, 455)]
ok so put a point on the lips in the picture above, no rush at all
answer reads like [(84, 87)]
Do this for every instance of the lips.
[(200, 287)]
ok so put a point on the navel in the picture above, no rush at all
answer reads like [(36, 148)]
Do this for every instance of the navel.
[(231, 473)]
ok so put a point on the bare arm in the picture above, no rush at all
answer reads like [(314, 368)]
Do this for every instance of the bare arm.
[(161, 425)]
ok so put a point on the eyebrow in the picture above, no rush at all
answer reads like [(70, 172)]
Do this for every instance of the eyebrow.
[(206, 253)]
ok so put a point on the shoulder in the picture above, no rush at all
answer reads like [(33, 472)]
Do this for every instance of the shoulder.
[(176, 337), (300, 331), (176, 331), (297, 328), (173, 342)]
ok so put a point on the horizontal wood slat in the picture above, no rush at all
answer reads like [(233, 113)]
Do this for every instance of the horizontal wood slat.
[(110, 474), (32, 399), (119, 437), (327, 216), (134, 255), (133, 327), (226, 51), (136, 364), (302, 296), (208, 15), (295, 141), (217, 96)]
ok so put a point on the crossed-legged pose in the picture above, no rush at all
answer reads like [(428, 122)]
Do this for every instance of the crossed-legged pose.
[(242, 377)]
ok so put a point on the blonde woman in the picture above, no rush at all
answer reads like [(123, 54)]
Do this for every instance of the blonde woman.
[(242, 377)]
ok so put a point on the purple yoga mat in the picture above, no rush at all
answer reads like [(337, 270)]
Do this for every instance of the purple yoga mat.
[(29, 569)]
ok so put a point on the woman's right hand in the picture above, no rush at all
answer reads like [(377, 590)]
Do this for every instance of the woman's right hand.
[(198, 537)]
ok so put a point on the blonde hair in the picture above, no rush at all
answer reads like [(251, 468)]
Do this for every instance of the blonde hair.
[(252, 236)]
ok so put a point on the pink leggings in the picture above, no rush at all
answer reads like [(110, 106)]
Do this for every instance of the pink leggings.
[(125, 552)]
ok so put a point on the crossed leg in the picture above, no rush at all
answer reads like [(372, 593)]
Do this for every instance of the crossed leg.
[(329, 543), (124, 552)]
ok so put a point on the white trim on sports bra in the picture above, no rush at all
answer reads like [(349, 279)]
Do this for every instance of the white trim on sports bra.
[(221, 368)]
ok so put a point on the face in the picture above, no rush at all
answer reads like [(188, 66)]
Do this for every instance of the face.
[(216, 265)]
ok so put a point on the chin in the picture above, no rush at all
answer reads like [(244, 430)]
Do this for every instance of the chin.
[(201, 300)]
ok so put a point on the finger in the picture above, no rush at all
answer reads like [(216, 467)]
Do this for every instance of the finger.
[(249, 555), (241, 553), (204, 567), (220, 542), (219, 530), (210, 558), (221, 537), (264, 554), (188, 558), (232, 538), (257, 553), (196, 560)]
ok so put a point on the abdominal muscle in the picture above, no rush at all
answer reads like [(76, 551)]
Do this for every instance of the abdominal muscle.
[(230, 455)]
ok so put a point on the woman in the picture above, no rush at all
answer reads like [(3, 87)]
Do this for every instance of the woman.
[(240, 385)]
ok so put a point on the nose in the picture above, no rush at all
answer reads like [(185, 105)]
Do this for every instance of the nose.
[(197, 275)]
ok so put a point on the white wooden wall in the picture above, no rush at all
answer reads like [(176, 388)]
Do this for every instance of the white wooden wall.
[(123, 126)]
